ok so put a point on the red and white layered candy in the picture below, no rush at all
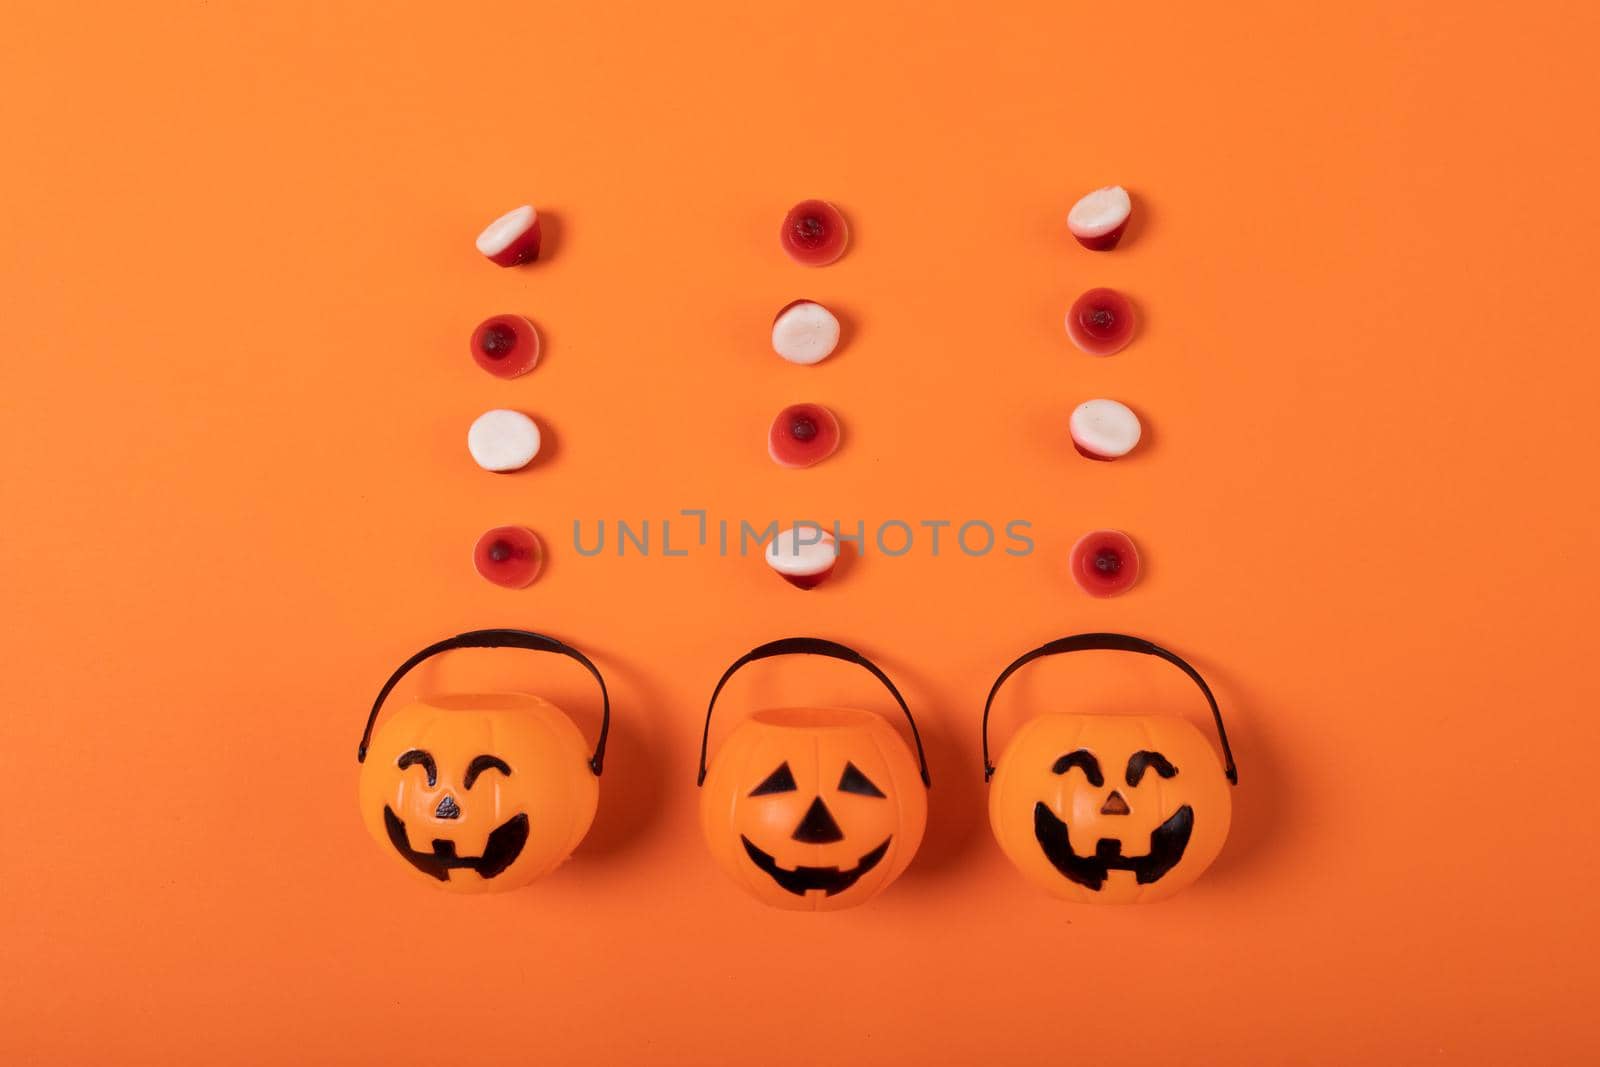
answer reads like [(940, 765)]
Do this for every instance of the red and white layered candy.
[(1104, 429), (805, 332), (512, 238), (1097, 221), (803, 555), (502, 440)]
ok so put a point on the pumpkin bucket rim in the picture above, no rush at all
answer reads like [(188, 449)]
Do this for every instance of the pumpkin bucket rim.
[(1110, 716), (510, 700), (813, 717)]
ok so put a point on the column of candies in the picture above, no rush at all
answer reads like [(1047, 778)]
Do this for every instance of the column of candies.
[(1101, 323), (503, 439), (805, 333)]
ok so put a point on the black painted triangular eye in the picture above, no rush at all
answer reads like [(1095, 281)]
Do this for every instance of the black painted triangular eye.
[(779, 781), (853, 781)]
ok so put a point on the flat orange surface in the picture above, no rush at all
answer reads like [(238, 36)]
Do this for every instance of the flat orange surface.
[(236, 281)]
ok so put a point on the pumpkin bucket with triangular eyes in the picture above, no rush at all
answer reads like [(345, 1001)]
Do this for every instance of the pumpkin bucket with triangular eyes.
[(1110, 809), (479, 793), (813, 808)]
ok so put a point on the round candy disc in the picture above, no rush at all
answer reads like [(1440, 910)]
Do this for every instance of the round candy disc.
[(803, 434), (1105, 563), (506, 346), (805, 332), (502, 440), (814, 233), (509, 555), (1101, 322), (1104, 429)]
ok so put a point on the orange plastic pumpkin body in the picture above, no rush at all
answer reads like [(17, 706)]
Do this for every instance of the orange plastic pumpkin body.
[(478, 793), (1110, 809), (813, 809)]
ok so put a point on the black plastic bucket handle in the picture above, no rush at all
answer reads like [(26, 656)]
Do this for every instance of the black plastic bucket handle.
[(810, 646), (1109, 643), (496, 639)]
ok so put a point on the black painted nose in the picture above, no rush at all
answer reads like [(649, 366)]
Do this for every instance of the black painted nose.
[(1114, 805), (818, 827), (447, 809)]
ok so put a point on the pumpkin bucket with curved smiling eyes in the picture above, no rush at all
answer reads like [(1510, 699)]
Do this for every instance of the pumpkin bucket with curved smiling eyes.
[(1110, 809), (813, 808), (484, 792)]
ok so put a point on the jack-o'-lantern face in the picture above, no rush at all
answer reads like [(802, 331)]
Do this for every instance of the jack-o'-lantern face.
[(1110, 809), (478, 793), (814, 808)]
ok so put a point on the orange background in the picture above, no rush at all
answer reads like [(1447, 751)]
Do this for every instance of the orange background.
[(238, 278)]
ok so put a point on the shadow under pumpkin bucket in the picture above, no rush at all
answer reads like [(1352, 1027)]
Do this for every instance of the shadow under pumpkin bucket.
[(478, 793), (813, 808), (1110, 809)]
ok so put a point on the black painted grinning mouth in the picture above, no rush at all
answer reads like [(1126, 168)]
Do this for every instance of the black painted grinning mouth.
[(499, 852), (1167, 844), (831, 880)]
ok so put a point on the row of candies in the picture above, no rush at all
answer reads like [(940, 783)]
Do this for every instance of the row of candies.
[(804, 332)]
